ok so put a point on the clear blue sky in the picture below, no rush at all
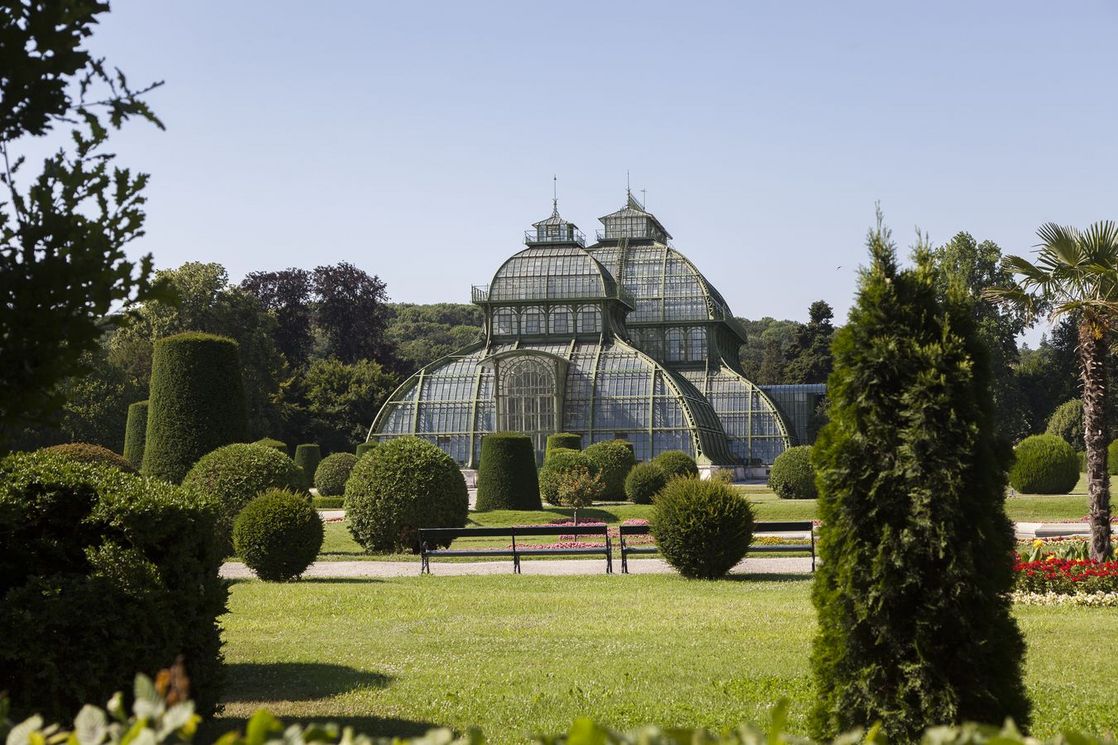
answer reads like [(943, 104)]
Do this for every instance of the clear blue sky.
[(418, 139)]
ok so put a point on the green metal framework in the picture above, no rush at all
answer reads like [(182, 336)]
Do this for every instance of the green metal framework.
[(625, 339)]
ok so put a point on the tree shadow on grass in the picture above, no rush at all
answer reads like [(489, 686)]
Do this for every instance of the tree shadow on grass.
[(295, 681), (210, 730), (769, 577)]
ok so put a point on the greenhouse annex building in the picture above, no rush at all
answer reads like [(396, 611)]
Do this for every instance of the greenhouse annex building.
[(622, 339)]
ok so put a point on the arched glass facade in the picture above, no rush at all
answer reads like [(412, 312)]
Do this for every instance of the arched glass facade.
[(625, 339)]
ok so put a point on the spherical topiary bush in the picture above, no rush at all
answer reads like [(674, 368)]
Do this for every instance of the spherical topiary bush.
[(271, 442), (644, 481), (85, 452), (613, 458), (562, 441), (234, 474), (703, 528), (332, 473), (197, 402), (1044, 464), (792, 475), (560, 462), (135, 429), (278, 534), (506, 476), (1067, 422), (676, 463), (366, 447), (404, 484), (307, 458)]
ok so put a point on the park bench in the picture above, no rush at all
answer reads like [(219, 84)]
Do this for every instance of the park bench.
[(431, 538), (761, 528)]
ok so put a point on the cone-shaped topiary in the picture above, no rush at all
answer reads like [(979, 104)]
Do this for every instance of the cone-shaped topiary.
[(332, 473), (560, 462), (134, 432), (197, 402), (676, 463), (278, 534), (913, 588), (562, 441), (86, 452), (1044, 464), (613, 458), (271, 442), (366, 447), (703, 528), (404, 484), (792, 475), (307, 457), (644, 481), (506, 477)]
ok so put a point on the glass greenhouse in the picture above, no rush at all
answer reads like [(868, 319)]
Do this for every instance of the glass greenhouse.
[(624, 339)]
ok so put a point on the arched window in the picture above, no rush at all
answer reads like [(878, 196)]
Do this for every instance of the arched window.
[(527, 398), (532, 321), (504, 322), (696, 344), (589, 319), (561, 320), (675, 350)]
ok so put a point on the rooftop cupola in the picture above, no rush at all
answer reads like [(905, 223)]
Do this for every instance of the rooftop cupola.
[(632, 221), (554, 231)]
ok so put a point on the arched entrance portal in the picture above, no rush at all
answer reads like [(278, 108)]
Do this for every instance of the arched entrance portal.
[(530, 395)]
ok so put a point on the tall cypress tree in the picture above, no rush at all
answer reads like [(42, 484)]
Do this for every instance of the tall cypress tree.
[(913, 590)]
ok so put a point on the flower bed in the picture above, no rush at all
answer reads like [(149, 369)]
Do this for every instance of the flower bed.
[(1091, 599), (1066, 576)]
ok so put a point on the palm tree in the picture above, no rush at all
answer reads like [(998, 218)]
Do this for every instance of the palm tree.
[(1076, 273)]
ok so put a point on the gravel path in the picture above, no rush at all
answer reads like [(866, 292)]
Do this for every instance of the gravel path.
[(345, 569)]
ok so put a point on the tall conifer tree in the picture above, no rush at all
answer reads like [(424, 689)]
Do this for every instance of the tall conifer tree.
[(913, 590)]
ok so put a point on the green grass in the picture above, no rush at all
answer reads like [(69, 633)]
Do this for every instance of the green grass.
[(519, 654)]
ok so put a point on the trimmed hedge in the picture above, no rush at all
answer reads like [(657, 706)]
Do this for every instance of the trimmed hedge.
[(1044, 464), (404, 484), (561, 461), (197, 402), (366, 447), (703, 528), (103, 574), (562, 441), (232, 475), (328, 503), (614, 459), (644, 481), (506, 476), (134, 432), (278, 534), (332, 473), (1111, 459), (86, 452), (676, 463), (271, 442), (307, 458), (792, 476), (1067, 422)]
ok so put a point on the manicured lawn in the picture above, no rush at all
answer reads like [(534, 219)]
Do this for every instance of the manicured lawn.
[(517, 654)]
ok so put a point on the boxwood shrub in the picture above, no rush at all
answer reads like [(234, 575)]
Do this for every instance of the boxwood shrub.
[(404, 484), (1044, 464), (85, 452), (366, 447), (644, 481), (278, 534), (271, 442), (613, 458), (332, 473), (234, 474), (676, 463), (307, 458), (1067, 422), (197, 402), (506, 477), (792, 476), (562, 441), (103, 574), (135, 429), (560, 462), (703, 528)]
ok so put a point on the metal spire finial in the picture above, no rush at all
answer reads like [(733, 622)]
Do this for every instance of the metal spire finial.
[(554, 195), (628, 191)]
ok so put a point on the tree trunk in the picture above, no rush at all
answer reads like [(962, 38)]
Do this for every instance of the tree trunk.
[(1092, 363)]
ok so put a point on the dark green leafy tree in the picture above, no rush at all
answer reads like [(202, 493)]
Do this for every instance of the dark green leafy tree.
[(1076, 274), (917, 552), (350, 313), (768, 344), (287, 295), (810, 359), (63, 268), (1048, 375)]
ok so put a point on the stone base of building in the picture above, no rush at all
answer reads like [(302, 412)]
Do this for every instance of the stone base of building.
[(740, 473)]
